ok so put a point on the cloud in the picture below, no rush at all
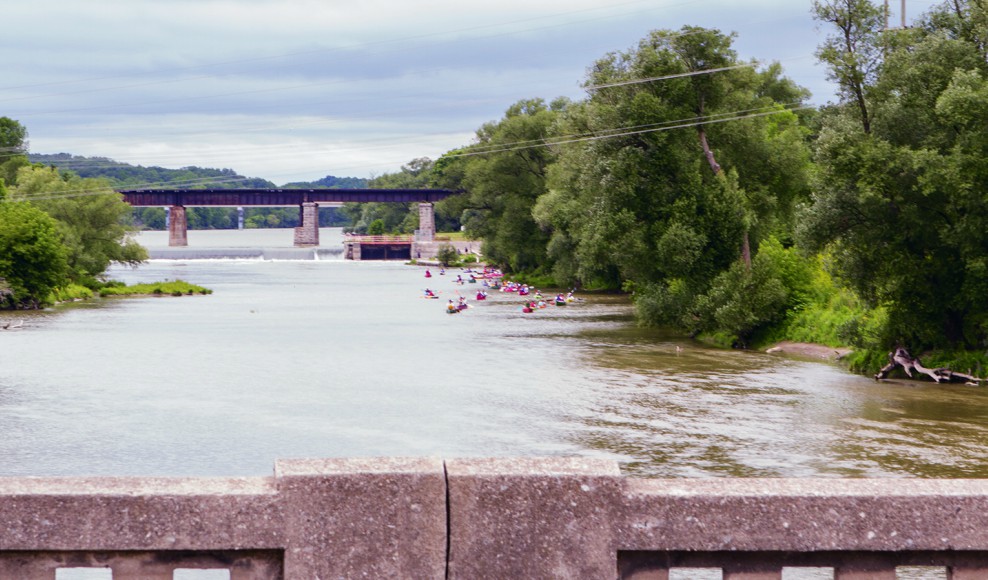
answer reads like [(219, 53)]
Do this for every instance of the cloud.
[(305, 88)]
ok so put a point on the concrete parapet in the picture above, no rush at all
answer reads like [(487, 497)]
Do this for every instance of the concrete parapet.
[(533, 518), (487, 518), (364, 518)]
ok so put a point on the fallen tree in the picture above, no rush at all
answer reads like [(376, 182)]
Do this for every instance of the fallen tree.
[(900, 357)]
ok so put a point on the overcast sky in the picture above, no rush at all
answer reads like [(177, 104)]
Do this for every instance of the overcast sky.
[(294, 90)]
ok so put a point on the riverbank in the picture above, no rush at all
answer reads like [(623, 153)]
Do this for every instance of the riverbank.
[(809, 350)]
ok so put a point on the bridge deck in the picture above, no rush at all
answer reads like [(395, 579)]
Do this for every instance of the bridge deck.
[(277, 197)]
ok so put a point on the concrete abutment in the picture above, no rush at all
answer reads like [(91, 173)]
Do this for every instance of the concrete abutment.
[(486, 518)]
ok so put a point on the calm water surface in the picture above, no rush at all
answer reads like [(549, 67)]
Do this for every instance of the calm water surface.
[(328, 358)]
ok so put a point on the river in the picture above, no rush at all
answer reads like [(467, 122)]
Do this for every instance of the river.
[(328, 358)]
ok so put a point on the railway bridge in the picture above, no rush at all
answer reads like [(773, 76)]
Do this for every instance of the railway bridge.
[(308, 201)]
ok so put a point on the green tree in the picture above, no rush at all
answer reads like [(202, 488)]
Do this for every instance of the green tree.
[(682, 161), (376, 228), (852, 52), (504, 174), (13, 149), (903, 206), (32, 257), (90, 218), (402, 218)]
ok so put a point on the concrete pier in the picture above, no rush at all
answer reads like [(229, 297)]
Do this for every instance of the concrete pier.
[(177, 226), (307, 234)]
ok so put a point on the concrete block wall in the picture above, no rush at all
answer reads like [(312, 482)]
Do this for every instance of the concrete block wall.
[(486, 518)]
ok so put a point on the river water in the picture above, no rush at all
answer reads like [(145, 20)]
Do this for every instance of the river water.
[(327, 358)]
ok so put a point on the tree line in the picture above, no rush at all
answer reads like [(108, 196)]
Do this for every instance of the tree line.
[(707, 186)]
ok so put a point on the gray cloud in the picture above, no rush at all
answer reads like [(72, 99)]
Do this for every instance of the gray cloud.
[(298, 89)]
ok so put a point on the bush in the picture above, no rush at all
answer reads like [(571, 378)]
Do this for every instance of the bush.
[(174, 288), (447, 254), (376, 228), (70, 292), (742, 301)]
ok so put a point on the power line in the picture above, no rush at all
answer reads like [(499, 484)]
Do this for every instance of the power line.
[(628, 133), (672, 76), (503, 148)]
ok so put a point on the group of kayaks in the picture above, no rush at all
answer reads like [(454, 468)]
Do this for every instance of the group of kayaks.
[(492, 279)]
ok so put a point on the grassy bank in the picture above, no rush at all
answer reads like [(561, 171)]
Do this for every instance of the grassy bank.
[(168, 288)]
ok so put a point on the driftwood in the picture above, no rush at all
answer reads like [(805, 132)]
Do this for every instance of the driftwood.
[(901, 358)]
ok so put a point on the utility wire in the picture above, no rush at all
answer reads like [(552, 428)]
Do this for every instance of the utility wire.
[(673, 76), (504, 148), (566, 141)]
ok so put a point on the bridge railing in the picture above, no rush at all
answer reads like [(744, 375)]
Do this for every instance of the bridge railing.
[(391, 239), (488, 518)]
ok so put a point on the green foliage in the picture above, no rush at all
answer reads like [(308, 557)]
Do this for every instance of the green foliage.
[(89, 217), (834, 316), (152, 218), (447, 254), (742, 301), (125, 175), (853, 52), (503, 186), (32, 257), (376, 228), (13, 150), (172, 287), (398, 218), (330, 182), (900, 202), (671, 210), (70, 292)]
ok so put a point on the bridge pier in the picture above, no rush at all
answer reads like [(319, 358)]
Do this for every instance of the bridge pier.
[(307, 234), (177, 226), (427, 224)]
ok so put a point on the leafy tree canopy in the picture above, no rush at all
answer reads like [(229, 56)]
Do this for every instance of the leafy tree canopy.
[(902, 202), (32, 257), (89, 217)]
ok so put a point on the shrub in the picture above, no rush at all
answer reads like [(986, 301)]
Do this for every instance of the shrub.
[(447, 254)]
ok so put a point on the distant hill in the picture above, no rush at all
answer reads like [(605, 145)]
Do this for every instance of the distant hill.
[(127, 175), (330, 182), (124, 175)]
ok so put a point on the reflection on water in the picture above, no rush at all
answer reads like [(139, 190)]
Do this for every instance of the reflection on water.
[(312, 358)]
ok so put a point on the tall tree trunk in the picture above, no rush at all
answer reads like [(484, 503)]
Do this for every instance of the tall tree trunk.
[(857, 80), (708, 152), (715, 167)]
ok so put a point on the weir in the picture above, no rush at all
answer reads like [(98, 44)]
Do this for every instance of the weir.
[(487, 518)]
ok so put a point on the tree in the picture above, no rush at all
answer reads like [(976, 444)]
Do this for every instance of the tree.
[(13, 149), (503, 174), (32, 257), (682, 160), (903, 207), (89, 216), (395, 217), (853, 52)]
